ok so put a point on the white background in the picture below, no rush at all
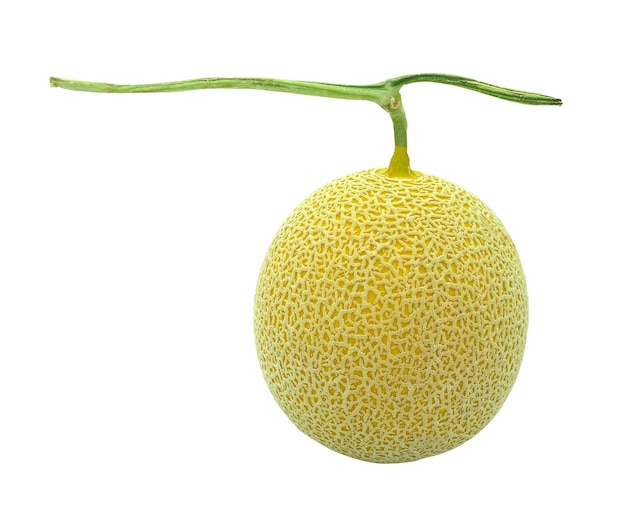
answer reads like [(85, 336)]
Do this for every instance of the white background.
[(132, 228)]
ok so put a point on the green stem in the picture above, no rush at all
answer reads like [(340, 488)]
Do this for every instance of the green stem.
[(518, 96), (398, 117), (373, 92), (329, 90), (385, 94)]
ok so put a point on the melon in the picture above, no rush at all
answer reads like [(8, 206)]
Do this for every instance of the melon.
[(391, 316)]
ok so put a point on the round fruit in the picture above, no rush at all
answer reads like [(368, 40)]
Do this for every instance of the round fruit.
[(391, 316)]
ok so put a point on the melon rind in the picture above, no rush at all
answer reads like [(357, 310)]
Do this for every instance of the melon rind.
[(390, 316)]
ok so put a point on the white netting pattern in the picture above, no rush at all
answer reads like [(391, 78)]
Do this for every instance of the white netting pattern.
[(391, 316)]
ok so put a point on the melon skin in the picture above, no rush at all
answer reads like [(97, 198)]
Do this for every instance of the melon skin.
[(390, 316)]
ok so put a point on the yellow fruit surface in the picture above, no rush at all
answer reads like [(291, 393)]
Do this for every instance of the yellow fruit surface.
[(391, 316)]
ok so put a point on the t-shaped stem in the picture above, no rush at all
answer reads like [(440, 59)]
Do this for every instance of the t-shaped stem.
[(385, 94)]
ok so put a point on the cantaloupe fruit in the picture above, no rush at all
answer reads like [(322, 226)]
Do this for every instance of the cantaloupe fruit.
[(391, 316)]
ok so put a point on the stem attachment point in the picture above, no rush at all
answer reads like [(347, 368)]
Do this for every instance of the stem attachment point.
[(399, 166)]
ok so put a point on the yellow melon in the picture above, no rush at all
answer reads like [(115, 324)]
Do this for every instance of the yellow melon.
[(391, 316)]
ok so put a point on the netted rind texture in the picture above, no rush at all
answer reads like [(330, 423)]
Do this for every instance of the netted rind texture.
[(391, 316)]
